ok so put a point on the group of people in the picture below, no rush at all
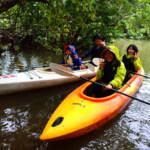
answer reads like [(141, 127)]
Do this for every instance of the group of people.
[(113, 71)]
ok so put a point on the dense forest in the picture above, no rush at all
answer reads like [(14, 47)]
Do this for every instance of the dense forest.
[(52, 23)]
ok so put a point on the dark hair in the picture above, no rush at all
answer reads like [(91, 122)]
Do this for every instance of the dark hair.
[(101, 37), (133, 47)]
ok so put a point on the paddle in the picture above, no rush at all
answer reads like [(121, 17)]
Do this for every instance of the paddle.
[(139, 74), (59, 68)]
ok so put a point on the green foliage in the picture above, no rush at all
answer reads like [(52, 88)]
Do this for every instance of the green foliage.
[(75, 22)]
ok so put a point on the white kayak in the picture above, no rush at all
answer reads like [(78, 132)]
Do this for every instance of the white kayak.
[(39, 78)]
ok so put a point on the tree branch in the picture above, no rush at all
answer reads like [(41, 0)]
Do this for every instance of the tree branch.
[(7, 4)]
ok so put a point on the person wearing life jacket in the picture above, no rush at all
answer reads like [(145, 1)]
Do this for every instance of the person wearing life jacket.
[(111, 73), (132, 61), (96, 49), (71, 58)]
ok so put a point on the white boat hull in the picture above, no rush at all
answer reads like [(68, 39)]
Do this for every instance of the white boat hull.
[(38, 78)]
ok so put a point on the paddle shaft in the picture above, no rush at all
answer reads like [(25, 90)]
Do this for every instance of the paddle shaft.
[(139, 74), (116, 90)]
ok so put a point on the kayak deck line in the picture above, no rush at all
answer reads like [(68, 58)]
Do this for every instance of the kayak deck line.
[(29, 75), (34, 73)]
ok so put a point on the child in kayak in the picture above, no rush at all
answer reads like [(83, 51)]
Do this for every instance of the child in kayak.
[(111, 73), (71, 58), (132, 61)]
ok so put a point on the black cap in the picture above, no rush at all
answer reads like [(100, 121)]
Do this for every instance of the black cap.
[(101, 37)]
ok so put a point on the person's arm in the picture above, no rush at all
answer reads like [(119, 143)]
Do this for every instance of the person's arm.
[(137, 64), (100, 71), (76, 60), (119, 77), (99, 74)]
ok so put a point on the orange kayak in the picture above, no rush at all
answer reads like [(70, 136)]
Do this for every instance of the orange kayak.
[(79, 114)]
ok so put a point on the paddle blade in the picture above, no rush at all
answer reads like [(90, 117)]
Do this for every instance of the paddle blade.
[(61, 69), (97, 61)]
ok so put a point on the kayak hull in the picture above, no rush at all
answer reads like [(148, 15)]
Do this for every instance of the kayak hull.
[(38, 78), (79, 114)]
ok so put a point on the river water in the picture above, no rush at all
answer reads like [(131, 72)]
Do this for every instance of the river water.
[(24, 115)]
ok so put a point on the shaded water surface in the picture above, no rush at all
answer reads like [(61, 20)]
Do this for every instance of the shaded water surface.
[(24, 115)]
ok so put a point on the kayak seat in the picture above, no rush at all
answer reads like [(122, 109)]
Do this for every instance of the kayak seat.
[(96, 91)]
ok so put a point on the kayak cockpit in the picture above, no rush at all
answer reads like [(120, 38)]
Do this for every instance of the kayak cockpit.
[(96, 91), (88, 93)]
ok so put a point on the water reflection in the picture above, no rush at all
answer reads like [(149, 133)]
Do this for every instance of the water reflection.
[(24, 115), (15, 62)]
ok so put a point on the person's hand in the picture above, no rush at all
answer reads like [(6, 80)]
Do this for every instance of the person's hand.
[(82, 66), (108, 87), (102, 64), (103, 43), (76, 56), (135, 56)]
